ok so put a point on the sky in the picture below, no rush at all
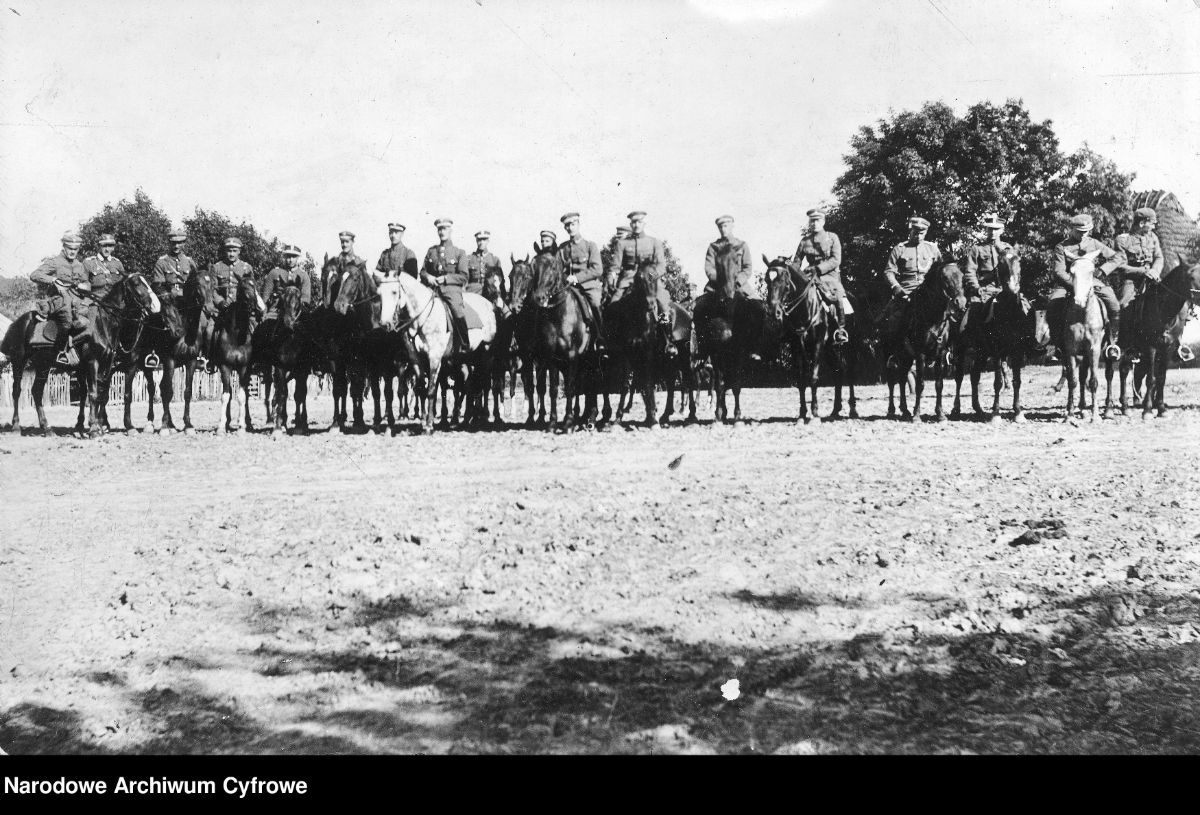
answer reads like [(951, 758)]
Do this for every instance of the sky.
[(307, 118)]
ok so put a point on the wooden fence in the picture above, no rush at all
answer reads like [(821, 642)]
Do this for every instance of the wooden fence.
[(65, 390)]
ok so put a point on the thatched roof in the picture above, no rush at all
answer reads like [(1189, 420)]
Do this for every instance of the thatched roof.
[(1178, 233)]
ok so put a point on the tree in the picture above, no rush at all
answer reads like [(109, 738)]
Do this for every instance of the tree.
[(673, 278), (207, 231), (140, 228), (16, 296), (952, 170)]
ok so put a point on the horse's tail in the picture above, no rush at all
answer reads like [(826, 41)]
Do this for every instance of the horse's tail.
[(14, 337)]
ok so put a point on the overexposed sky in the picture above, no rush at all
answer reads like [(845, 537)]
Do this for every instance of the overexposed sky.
[(311, 117)]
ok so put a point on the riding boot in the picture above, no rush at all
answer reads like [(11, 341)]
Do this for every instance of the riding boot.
[(664, 321), (840, 335), (596, 324), (462, 336), (1114, 333)]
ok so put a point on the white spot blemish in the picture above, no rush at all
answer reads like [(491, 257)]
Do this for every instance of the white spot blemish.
[(731, 690)]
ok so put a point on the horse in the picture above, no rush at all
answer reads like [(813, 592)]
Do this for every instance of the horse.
[(113, 326), (1083, 334), (520, 291), (1153, 330), (231, 352), (636, 349), (1005, 336), (285, 347), (562, 341), (726, 331), (795, 303), (332, 335), (927, 326), (504, 356), (408, 305), (178, 337)]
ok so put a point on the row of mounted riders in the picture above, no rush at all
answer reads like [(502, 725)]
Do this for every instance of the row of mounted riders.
[(377, 330)]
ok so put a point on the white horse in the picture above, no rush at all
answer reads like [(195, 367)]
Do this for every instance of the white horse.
[(406, 302)]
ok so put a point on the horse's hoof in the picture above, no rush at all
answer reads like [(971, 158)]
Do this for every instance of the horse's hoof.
[(941, 417), (994, 418), (651, 425), (165, 431), (189, 431), (914, 418), (1162, 413)]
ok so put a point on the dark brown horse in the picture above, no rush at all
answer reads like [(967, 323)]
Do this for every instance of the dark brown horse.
[(997, 331), (728, 327), (114, 325), (285, 347), (504, 354), (562, 341), (927, 328), (794, 301), (230, 351), (1152, 331), (178, 337)]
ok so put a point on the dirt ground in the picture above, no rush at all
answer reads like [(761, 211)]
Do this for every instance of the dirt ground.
[(872, 586)]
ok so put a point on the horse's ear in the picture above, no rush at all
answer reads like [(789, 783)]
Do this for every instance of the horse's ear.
[(537, 250), (765, 261), (526, 257), (512, 259)]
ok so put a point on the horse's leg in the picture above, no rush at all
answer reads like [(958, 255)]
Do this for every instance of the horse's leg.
[(1094, 381), (18, 371), (81, 420), (1123, 372), (960, 364), (1148, 387), (128, 393), (431, 389), (892, 377), (541, 395), (1160, 382), (224, 419), (166, 392), (718, 380), (1069, 373), (242, 395), (95, 392), (1017, 362), (1109, 366), (277, 420), (648, 395), (669, 407), (40, 375), (527, 380), (189, 375), (301, 397), (554, 379), (377, 419)]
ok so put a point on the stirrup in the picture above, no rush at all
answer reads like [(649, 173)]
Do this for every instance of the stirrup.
[(841, 336), (63, 359), (1113, 351), (152, 362)]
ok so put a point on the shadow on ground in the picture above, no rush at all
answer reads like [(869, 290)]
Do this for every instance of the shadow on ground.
[(1121, 678)]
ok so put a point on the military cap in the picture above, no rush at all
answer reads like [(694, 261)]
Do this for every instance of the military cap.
[(482, 235), (107, 240), (440, 222), (1082, 222), (232, 243), (636, 215), (291, 251), (178, 236), (570, 216), (546, 233), (622, 230), (395, 227), (815, 212), (1146, 214), (725, 219), (917, 220), (71, 239), (346, 233), (992, 220)]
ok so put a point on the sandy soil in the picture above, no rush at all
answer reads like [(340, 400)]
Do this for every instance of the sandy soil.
[(873, 587)]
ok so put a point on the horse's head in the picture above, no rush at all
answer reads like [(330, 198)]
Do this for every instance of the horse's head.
[(538, 249), (198, 293), (289, 306), (520, 281), (493, 286), (1009, 272), (248, 299), (357, 289), (391, 301), (949, 282), (1191, 280), (133, 293), (547, 278), (1083, 275), (779, 283)]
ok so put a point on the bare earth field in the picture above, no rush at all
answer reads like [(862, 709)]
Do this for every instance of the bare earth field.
[(873, 587)]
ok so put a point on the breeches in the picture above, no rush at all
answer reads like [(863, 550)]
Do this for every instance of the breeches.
[(453, 298)]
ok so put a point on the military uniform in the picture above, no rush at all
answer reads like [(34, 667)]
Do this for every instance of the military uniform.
[(908, 263), (170, 273), (479, 265), (1139, 255), (226, 279), (641, 252), (980, 268), (448, 260), (396, 259), (279, 279), (727, 259), (103, 274), (60, 306), (581, 257)]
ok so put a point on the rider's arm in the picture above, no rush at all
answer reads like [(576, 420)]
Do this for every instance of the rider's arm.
[(45, 274), (1156, 262), (710, 264), (889, 271), (746, 272), (831, 263), (305, 289), (591, 268), (1061, 274), (1112, 260)]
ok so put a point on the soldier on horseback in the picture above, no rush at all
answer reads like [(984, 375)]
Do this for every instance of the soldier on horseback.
[(727, 259), (582, 267), (822, 250), (547, 239), (340, 266), (481, 263), (228, 273), (907, 265), (1081, 243), (398, 258), (445, 270), (1141, 257), (172, 270), (981, 265), (61, 283), (641, 251), (277, 280), (103, 270)]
